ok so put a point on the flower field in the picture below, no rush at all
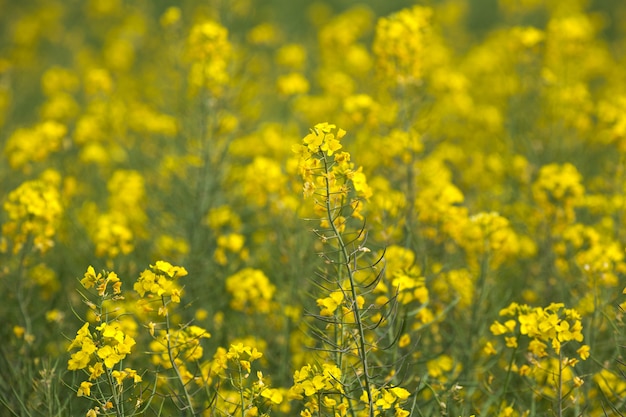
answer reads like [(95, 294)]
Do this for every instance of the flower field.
[(281, 208)]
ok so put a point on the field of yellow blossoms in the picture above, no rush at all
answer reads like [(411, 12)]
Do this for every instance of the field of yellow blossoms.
[(313, 208)]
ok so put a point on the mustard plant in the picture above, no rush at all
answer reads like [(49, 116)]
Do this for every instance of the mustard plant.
[(551, 359), (351, 383), (100, 347)]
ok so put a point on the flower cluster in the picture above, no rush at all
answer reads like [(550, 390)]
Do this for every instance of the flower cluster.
[(160, 281), (226, 224), (251, 291), (553, 324), (312, 382), (34, 210), (547, 332), (402, 278), (101, 351), (25, 146), (387, 398), (401, 45), (331, 180), (557, 191), (183, 345), (208, 51), (115, 231), (489, 235)]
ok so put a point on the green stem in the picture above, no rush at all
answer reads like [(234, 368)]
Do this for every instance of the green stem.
[(560, 387), (119, 412), (508, 377), (354, 306), (22, 300), (189, 404), (240, 389)]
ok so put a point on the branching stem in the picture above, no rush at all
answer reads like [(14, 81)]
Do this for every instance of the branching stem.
[(179, 376), (354, 305)]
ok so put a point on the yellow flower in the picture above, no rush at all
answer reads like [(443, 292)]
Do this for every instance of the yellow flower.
[(511, 342), (163, 267), (538, 348), (329, 305), (399, 412), (93, 412), (119, 376), (273, 395), (95, 371), (583, 352), (404, 341), (489, 349), (19, 331), (84, 389), (109, 355), (90, 278), (79, 360), (401, 393), (131, 373), (292, 84), (498, 328), (386, 400), (524, 370), (578, 381), (439, 366)]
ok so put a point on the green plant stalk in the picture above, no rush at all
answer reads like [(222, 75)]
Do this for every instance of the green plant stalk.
[(319, 404), (338, 338), (355, 308), (595, 315), (508, 377), (21, 300), (479, 294), (173, 362), (117, 397), (240, 389), (559, 393), (119, 412), (151, 397)]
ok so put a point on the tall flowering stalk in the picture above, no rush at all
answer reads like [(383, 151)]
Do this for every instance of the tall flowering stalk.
[(339, 191), (100, 348), (107, 338), (544, 333)]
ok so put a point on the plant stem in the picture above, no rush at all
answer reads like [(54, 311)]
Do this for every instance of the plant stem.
[(560, 387), (173, 362), (354, 306)]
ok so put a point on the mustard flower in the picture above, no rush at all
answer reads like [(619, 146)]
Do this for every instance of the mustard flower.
[(209, 52), (401, 44), (112, 236), (251, 290), (441, 366), (84, 389), (26, 146), (558, 190), (161, 281), (292, 84), (291, 56), (310, 380), (328, 305), (34, 210), (551, 326), (83, 340)]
